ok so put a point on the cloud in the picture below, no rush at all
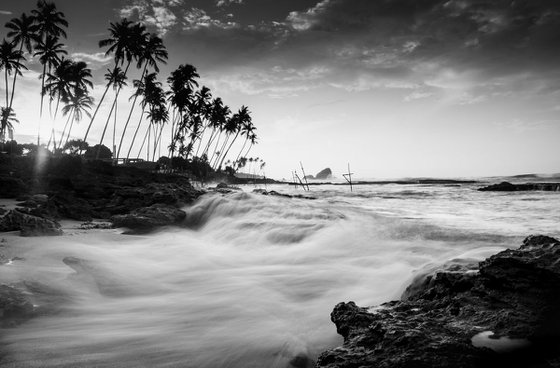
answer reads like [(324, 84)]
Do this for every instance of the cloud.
[(5, 12), (95, 61), (224, 3)]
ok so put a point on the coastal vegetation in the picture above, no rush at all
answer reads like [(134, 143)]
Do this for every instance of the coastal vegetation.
[(204, 132)]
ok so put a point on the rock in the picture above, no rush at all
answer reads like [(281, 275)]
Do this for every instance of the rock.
[(509, 187), (505, 315), (12, 187), (278, 194), (149, 217), (324, 174), (14, 306), (29, 225), (89, 225)]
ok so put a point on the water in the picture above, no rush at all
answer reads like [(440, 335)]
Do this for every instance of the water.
[(250, 280)]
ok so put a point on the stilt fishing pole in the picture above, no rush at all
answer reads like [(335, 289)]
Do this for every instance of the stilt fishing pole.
[(348, 177)]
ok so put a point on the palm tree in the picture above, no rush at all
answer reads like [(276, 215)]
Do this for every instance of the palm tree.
[(182, 82), (216, 118), (116, 78), (80, 102), (22, 31), (48, 52), (10, 62), (248, 131), (242, 120), (203, 97), (50, 23), (153, 52), (122, 44), (8, 118), (58, 84)]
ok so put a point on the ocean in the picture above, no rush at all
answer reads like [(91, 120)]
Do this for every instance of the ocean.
[(250, 280)]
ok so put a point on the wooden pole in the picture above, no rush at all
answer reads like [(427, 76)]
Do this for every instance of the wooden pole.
[(304, 176), (348, 177)]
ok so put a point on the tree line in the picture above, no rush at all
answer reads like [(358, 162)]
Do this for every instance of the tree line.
[(201, 125)]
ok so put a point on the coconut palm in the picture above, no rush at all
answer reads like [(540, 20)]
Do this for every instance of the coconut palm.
[(50, 27), (49, 52), (151, 53), (242, 119), (117, 79), (182, 82), (216, 121), (80, 102), (8, 118), (122, 43), (22, 31), (10, 61), (248, 130), (58, 84)]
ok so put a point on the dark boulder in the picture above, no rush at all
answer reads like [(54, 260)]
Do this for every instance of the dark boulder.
[(149, 217), (509, 187), (28, 224), (505, 315), (324, 174)]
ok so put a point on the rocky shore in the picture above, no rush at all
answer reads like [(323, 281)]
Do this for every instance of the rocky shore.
[(67, 188), (509, 187), (504, 312)]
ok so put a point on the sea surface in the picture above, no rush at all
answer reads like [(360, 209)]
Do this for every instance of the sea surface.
[(250, 280)]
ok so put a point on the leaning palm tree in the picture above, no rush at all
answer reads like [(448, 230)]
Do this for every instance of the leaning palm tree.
[(152, 52), (121, 45), (249, 132), (116, 78), (182, 82), (50, 25), (80, 102), (8, 118), (23, 32), (48, 52), (10, 61), (242, 120)]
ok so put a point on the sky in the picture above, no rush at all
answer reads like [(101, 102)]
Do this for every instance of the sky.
[(395, 88)]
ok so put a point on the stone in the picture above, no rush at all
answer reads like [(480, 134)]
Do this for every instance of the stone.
[(505, 315), (149, 217), (324, 174), (509, 187), (29, 225)]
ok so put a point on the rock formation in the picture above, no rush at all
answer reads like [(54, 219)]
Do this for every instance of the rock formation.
[(509, 187), (324, 174), (505, 314)]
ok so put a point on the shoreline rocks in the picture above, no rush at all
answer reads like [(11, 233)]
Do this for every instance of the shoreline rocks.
[(506, 314), (148, 218), (509, 187)]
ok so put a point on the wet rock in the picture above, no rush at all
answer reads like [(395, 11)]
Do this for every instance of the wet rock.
[(509, 187), (149, 217), (29, 225), (278, 194), (89, 225), (14, 306), (514, 297)]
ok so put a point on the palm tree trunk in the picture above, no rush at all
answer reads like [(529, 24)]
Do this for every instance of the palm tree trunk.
[(96, 110), (69, 130), (7, 87), (143, 142), (248, 149), (14, 82), (107, 123), (134, 137), (42, 89), (156, 142), (242, 148), (63, 131), (210, 140), (131, 109), (231, 144), (216, 146), (222, 150)]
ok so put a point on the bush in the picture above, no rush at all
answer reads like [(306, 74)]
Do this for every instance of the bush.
[(104, 152)]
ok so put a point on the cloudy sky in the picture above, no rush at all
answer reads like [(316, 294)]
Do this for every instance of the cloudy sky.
[(397, 88)]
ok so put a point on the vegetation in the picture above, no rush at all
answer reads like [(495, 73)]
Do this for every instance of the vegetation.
[(203, 129)]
